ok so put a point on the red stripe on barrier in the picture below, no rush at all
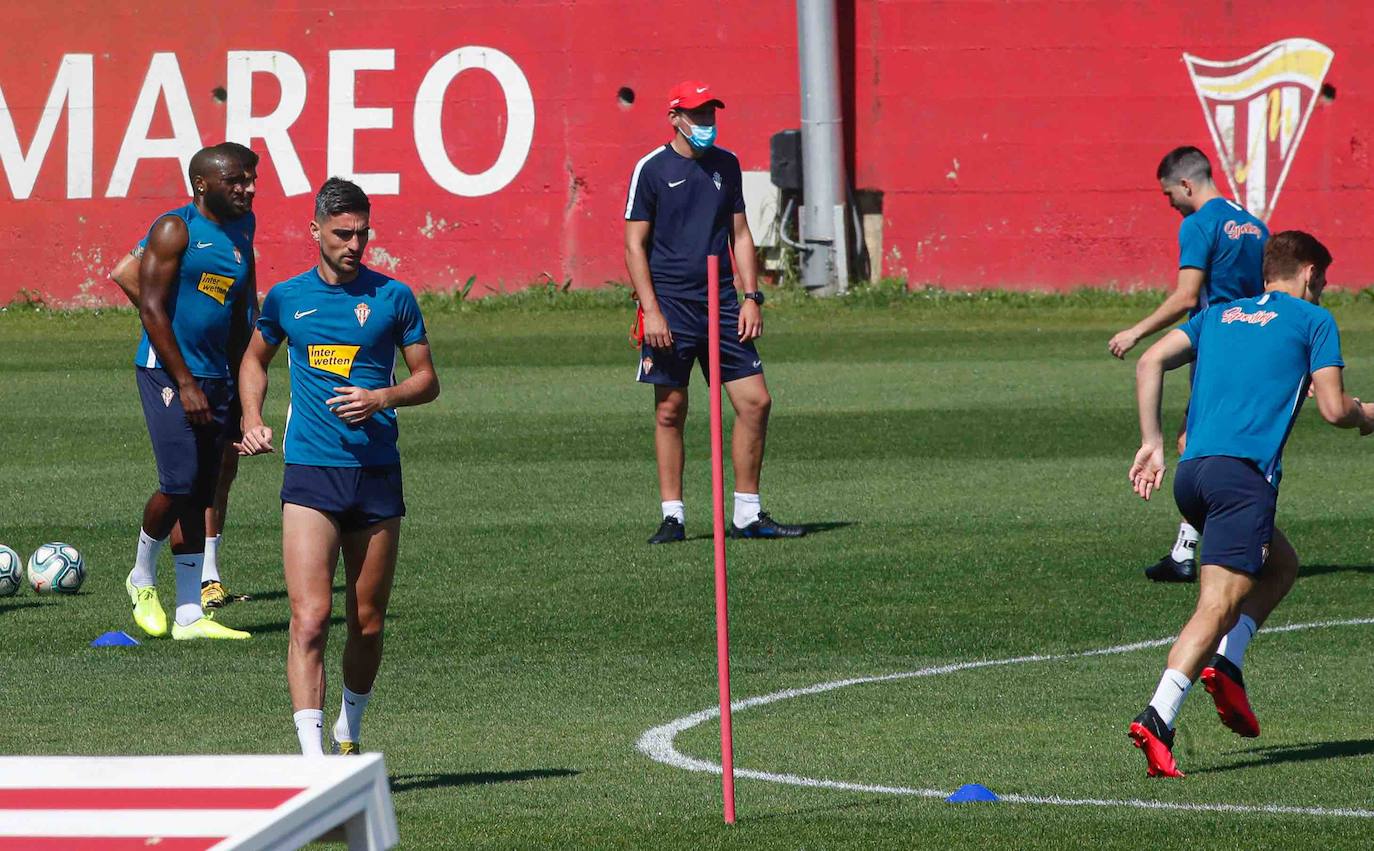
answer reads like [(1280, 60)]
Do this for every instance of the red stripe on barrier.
[(108, 843), (230, 798)]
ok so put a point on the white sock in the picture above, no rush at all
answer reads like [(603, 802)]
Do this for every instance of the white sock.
[(309, 723), (189, 567), (1233, 644), (1169, 694), (746, 509), (349, 727), (145, 561), (675, 508), (1186, 545), (210, 573)]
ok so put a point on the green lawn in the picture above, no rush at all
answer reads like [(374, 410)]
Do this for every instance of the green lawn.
[(965, 461)]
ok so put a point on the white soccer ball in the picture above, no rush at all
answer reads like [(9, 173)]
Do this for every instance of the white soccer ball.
[(56, 567), (11, 571)]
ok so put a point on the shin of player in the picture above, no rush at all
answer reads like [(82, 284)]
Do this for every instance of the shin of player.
[(1255, 359), (341, 493)]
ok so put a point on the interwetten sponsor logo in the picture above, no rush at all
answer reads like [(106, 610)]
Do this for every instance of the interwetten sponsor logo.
[(332, 357), (215, 286)]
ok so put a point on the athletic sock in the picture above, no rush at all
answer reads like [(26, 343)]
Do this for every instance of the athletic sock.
[(746, 509), (1185, 547), (189, 567), (210, 573), (309, 723), (349, 727), (1169, 694), (145, 560), (1233, 644), (675, 508)]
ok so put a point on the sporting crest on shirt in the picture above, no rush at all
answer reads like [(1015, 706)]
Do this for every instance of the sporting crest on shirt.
[(362, 311), (715, 178), (1257, 109), (647, 365), (238, 256), (167, 394)]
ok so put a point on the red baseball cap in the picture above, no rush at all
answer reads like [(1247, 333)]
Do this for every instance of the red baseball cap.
[(691, 94)]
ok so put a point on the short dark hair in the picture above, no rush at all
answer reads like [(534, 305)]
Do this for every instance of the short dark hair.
[(1288, 251), (338, 196), (246, 156), (215, 155), (1182, 163)]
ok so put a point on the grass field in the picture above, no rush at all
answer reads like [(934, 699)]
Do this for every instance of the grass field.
[(964, 461)]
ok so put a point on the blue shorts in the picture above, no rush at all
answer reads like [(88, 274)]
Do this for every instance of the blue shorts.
[(1232, 505), (687, 320), (188, 457), (356, 497)]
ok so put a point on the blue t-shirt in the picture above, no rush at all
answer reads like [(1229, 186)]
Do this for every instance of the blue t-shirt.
[(340, 335), (210, 283), (1227, 244), (1255, 359), (690, 205)]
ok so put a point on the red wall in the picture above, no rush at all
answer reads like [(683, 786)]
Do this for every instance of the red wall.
[(1056, 112)]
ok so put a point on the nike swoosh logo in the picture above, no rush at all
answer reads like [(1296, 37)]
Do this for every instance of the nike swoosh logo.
[(349, 702), (301, 313), (702, 89), (200, 244), (671, 184), (757, 362)]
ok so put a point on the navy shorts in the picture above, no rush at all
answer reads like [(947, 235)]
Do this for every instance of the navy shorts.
[(687, 320), (188, 457), (356, 497), (1232, 505)]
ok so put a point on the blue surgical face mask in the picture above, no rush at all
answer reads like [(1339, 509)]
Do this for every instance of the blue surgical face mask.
[(701, 137)]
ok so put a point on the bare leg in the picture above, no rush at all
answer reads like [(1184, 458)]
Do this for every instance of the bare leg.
[(1276, 580), (1221, 592), (310, 552), (160, 513), (670, 416), (752, 404), (370, 566), (228, 471)]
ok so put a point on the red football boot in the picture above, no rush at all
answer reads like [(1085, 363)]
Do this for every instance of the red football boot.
[(1222, 680), (1154, 737)]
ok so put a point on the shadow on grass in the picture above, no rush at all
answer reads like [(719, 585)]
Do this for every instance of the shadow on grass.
[(411, 782), (1297, 753), (283, 626), (280, 594), (14, 607), (1319, 569), (811, 529)]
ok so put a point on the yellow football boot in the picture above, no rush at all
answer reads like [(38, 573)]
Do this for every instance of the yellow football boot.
[(206, 628), (213, 595), (148, 612), (348, 748)]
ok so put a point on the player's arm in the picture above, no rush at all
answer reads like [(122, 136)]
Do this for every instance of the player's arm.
[(656, 331), (747, 269), (1183, 299), (355, 405), (1172, 351), (125, 274), (240, 322), (157, 275), (252, 387), (1338, 407)]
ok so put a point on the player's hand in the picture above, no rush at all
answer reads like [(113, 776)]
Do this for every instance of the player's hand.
[(257, 440), (750, 321), (354, 405), (656, 331), (1123, 342), (1147, 473), (194, 403), (1367, 415)]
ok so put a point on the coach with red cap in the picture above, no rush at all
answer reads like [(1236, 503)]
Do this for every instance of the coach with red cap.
[(686, 203)]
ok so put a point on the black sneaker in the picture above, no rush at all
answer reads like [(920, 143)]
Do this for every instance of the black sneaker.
[(1170, 569), (1149, 733), (766, 527), (668, 531)]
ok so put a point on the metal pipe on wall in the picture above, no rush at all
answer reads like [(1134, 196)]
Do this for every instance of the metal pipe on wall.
[(822, 146)]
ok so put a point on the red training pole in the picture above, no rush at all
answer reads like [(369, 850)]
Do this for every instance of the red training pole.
[(727, 748)]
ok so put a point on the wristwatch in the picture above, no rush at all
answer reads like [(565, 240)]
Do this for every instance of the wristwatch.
[(756, 297)]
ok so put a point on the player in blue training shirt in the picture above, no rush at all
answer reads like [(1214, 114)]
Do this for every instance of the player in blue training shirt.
[(1220, 248), (686, 203), (1255, 360), (195, 289), (341, 491)]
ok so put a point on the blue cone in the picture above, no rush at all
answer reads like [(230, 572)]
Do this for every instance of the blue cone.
[(971, 792), (115, 638)]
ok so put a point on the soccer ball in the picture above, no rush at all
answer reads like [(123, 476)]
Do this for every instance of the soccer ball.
[(56, 567), (11, 571)]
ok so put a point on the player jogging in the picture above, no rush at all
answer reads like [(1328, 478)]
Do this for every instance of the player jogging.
[(1220, 247), (1255, 360), (685, 203), (341, 491), (196, 286)]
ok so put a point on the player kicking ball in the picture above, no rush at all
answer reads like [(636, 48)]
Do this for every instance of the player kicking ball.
[(341, 491), (1256, 358)]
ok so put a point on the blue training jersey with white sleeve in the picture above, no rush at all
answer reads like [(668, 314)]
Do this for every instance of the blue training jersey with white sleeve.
[(210, 282), (1227, 243), (340, 335), (1255, 358)]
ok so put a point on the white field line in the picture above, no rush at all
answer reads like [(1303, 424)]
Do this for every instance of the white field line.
[(659, 743)]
